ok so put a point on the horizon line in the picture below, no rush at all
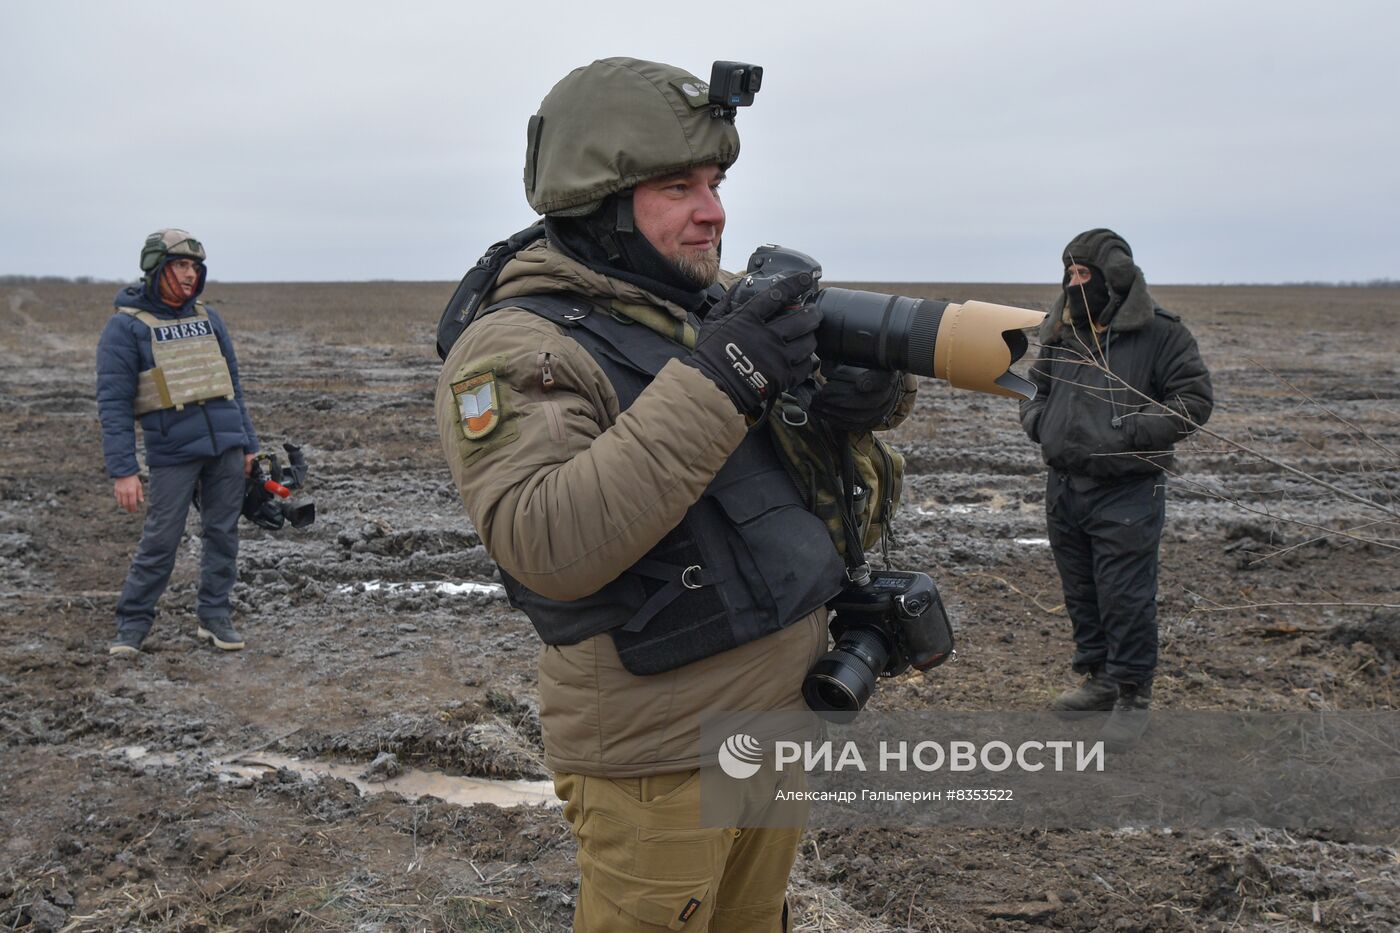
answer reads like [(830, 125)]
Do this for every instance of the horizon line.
[(1379, 282)]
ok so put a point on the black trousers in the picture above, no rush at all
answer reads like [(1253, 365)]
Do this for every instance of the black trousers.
[(220, 482), (1105, 537)]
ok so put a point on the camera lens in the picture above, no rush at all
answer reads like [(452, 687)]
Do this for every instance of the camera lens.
[(300, 512), (839, 684), (888, 332)]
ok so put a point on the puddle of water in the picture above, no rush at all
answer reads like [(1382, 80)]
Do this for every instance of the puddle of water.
[(955, 508), (493, 590), (412, 784), (1033, 542)]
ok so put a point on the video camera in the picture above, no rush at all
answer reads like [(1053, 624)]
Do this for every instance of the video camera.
[(267, 493)]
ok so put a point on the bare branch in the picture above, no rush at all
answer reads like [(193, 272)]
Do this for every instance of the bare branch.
[(1244, 606), (1362, 432), (1192, 426)]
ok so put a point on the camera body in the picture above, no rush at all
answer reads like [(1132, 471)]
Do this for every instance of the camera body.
[(881, 628)]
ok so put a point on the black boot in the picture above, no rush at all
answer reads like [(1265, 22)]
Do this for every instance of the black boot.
[(1128, 721), (1096, 694)]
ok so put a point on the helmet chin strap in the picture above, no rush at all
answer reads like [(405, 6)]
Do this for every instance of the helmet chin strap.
[(626, 220)]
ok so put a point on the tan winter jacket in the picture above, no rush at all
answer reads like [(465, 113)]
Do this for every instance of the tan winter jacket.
[(567, 493)]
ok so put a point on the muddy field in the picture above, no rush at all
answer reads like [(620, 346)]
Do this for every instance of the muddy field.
[(160, 793)]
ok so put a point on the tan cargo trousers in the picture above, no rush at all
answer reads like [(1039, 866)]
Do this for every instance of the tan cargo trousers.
[(646, 863)]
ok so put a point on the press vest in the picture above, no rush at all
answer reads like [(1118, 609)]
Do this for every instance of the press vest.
[(747, 559), (189, 365)]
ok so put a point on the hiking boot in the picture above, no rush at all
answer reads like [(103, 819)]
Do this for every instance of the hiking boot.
[(221, 633), (1096, 694), (1128, 721), (127, 643)]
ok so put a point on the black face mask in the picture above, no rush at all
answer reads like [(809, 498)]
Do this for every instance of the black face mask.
[(596, 241), (1089, 300)]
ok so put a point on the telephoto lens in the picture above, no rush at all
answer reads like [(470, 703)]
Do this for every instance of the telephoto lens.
[(970, 345)]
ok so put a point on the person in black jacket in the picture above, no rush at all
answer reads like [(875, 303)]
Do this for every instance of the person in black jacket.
[(1119, 382)]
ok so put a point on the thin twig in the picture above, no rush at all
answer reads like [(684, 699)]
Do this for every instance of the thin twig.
[(1220, 608), (1244, 448), (1010, 586), (1325, 410)]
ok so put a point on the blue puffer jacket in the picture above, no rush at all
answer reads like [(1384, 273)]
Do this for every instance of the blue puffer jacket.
[(171, 436)]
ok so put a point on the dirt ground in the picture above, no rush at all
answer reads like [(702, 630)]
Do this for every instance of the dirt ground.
[(99, 836)]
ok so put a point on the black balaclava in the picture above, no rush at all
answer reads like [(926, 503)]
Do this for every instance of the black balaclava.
[(608, 242), (1089, 300)]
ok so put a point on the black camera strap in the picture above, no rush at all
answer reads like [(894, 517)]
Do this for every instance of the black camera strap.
[(856, 564)]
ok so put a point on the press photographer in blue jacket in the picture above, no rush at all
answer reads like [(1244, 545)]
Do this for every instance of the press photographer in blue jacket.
[(166, 360)]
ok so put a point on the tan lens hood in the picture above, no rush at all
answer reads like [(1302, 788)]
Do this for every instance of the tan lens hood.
[(971, 351)]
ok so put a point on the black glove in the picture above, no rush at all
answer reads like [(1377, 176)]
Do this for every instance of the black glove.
[(761, 348), (856, 399)]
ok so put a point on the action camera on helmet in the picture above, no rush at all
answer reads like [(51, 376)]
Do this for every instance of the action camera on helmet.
[(733, 85)]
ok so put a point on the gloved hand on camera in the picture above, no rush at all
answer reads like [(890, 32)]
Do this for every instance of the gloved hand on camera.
[(760, 348), (856, 399)]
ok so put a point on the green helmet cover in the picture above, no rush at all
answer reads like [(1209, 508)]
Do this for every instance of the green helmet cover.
[(167, 243), (608, 125)]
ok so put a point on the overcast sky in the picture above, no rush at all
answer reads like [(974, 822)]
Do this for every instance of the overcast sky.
[(894, 141)]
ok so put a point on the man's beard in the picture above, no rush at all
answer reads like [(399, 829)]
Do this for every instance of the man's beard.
[(702, 269)]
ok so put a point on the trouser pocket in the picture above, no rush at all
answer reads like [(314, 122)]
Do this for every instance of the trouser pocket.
[(645, 864)]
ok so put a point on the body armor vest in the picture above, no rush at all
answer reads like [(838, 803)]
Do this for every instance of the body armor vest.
[(747, 559), (189, 366)]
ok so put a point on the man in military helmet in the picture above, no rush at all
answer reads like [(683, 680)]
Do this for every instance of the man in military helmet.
[(1119, 382), (604, 421), (166, 360)]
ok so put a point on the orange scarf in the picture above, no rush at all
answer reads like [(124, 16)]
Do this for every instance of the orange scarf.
[(171, 291)]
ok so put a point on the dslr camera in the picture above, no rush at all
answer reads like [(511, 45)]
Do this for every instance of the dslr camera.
[(881, 628)]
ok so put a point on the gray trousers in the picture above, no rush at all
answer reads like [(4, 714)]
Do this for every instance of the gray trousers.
[(220, 483), (1105, 538)]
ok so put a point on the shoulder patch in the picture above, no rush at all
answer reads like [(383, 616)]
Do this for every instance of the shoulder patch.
[(478, 405)]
